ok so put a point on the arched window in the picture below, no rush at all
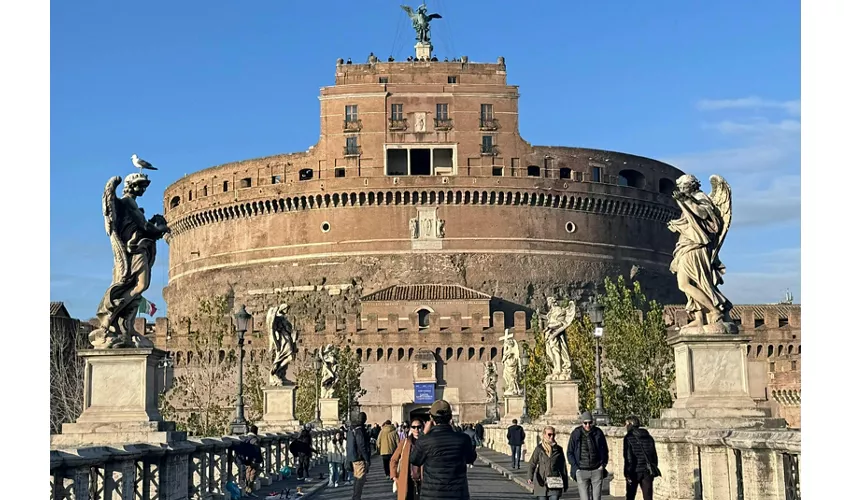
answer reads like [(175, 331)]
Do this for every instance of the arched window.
[(666, 186), (174, 202), (424, 317), (631, 178)]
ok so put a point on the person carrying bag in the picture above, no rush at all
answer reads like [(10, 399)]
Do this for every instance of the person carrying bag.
[(640, 460), (547, 469)]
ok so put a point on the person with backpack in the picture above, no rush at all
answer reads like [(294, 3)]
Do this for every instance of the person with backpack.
[(640, 460), (249, 454)]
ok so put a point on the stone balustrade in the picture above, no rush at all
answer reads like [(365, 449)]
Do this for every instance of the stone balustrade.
[(695, 463), (197, 468)]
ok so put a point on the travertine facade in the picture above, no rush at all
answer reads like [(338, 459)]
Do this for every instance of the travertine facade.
[(420, 175)]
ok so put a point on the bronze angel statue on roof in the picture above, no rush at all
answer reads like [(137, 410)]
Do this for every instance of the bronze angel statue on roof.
[(133, 239), (421, 22), (702, 229)]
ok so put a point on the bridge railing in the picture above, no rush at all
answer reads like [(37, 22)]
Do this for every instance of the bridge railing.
[(709, 464), (198, 468)]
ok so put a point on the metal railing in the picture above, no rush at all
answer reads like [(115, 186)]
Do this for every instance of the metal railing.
[(489, 124), (353, 125), (443, 124), (351, 150), (400, 124)]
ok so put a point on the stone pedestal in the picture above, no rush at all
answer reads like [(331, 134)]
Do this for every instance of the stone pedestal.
[(513, 408), (423, 50), (562, 403), (712, 386), (279, 409), (120, 401), (329, 411)]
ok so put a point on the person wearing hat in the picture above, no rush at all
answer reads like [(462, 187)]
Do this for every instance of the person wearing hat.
[(443, 455), (587, 452)]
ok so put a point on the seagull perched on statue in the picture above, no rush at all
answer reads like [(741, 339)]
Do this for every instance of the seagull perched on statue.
[(141, 164)]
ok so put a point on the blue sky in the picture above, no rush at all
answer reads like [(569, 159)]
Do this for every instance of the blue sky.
[(712, 87)]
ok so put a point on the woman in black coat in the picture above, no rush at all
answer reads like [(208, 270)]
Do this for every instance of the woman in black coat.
[(548, 464), (640, 460)]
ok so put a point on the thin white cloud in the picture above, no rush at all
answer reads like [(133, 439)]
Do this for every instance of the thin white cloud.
[(776, 204), (791, 107), (750, 158), (756, 127), (777, 270)]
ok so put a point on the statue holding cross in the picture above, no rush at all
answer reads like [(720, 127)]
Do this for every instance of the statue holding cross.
[(510, 364)]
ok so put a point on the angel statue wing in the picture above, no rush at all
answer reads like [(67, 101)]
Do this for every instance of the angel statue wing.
[(270, 315), (721, 196), (570, 315), (434, 16), (409, 11), (110, 219)]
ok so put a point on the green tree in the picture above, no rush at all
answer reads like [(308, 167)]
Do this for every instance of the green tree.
[(534, 376), (348, 385), (305, 396), (639, 364), (201, 397)]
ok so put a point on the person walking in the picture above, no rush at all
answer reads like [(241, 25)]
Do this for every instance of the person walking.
[(249, 454), (408, 478), (387, 443), (587, 452), (640, 460), (479, 431), (359, 453), (443, 455), (547, 468), (336, 460), (516, 438)]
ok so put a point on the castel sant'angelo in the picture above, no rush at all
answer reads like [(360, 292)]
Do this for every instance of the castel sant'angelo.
[(420, 226)]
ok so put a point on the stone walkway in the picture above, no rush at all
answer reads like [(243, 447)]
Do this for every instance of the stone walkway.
[(501, 463)]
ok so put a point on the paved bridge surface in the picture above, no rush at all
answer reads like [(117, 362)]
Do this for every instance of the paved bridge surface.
[(490, 479)]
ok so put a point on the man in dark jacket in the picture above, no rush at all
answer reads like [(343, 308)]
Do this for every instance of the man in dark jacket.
[(516, 437), (359, 453), (479, 431), (443, 455), (587, 453), (640, 460)]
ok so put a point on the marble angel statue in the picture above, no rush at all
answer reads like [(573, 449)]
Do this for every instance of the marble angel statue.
[(510, 365), (283, 341), (329, 370), (489, 381), (557, 320), (702, 229), (133, 239)]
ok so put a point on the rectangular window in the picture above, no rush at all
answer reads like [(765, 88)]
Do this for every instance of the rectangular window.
[(597, 174), (497, 171), (275, 179), (452, 79), (350, 112), (487, 144), (442, 111), (245, 183), (383, 79), (396, 162), (397, 113), (351, 146), (566, 173), (225, 186), (486, 112), (339, 172)]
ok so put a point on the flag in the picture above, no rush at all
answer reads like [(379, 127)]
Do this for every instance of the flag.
[(146, 307)]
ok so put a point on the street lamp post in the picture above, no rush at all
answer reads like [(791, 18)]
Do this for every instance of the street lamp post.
[(317, 364), (239, 426), (523, 361), (596, 311)]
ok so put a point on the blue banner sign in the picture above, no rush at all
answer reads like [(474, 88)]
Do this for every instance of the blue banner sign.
[(423, 393)]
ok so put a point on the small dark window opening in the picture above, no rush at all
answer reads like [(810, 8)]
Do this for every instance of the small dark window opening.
[(339, 172), (759, 322), (190, 195), (383, 79), (566, 173), (305, 174), (533, 171), (793, 366), (275, 179), (174, 202), (772, 367), (225, 186), (631, 178), (452, 79), (424, 366), (498, 171), (666, 186), (783, 322), (424, 317), (206, 191), (597, 174), (245, 183)]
